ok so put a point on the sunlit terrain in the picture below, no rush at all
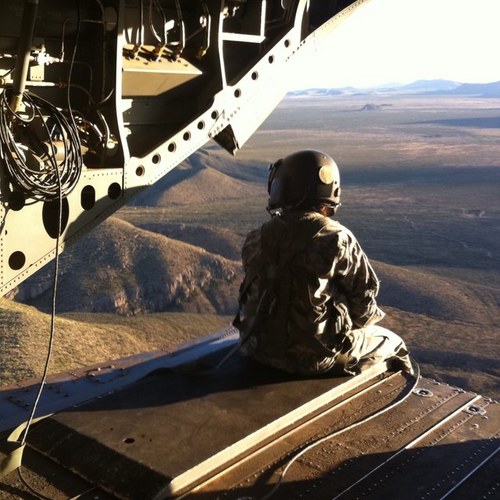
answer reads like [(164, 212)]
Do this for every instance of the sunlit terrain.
[(420, 190)]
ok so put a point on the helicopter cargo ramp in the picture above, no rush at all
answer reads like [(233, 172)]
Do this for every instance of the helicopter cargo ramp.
[(243, 431)]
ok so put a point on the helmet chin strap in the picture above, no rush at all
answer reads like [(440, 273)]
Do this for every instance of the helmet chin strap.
[(278, 212)]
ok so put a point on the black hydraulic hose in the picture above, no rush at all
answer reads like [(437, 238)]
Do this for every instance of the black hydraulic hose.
[(24, 52)]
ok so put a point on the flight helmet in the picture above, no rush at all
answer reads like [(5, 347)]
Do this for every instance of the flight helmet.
[(303, 179)]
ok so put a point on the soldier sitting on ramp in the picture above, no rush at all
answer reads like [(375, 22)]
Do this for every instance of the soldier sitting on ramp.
[(307, 303)]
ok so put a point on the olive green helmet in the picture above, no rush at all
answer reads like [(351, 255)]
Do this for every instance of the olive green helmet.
[(302, 179)]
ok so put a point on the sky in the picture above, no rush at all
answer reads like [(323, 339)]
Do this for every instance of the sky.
[(401, 41)]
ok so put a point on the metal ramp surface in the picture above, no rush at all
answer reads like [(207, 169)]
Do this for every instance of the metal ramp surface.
[(172, 430), (246, 431), (440, 442)]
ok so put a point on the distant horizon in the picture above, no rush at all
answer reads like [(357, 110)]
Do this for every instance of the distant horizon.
[(395, 84), (408, 40)]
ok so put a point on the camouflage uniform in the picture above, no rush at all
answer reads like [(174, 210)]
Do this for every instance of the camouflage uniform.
[(325, 287)]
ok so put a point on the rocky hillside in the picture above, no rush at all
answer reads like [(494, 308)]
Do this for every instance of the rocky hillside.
[(127, 270), (88, 339), (204, 178), (157, 265), (437, 297), (220, 241), (124, 269)]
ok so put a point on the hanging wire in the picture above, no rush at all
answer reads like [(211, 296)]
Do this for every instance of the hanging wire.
[(59, 185), (139, 38), (151, 23), (31, 161), (48, 357), (57, 182), (182, 30), (53, 302)]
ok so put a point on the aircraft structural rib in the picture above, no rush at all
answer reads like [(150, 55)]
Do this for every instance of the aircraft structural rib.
[(101, 98)]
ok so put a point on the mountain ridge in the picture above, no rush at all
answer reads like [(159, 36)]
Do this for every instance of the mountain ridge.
[(445, 317), (203, 178), (127, 270), (124, 269), (419, 87)]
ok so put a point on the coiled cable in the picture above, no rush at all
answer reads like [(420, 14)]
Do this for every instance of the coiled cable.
[(28, 148)]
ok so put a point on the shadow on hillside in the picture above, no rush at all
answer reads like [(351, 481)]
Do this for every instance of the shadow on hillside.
[(484, 122), (474, 373), (451, 359)]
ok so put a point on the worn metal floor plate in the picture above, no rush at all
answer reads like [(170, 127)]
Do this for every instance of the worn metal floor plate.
[(231, 435), (440, 442), (77, 386), (171, 430)]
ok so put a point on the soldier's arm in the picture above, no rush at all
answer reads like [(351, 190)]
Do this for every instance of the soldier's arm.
[(357, 280)]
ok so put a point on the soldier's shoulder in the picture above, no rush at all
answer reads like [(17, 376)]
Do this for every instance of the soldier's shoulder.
[(334, 229), (335, 239), (251, 246), (253, 234)]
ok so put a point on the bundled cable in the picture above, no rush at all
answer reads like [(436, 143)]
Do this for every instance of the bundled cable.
[(40, 148)]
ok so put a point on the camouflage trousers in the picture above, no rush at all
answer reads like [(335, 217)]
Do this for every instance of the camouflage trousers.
[(368, 346), (372, 345)]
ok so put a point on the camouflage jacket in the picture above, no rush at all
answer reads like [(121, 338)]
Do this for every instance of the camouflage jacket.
[(306, 277)]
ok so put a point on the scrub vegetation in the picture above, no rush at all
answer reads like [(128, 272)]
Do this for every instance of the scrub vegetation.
[(421, 177)]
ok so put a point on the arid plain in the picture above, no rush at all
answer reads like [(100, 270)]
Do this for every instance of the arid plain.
[(421, 178)]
